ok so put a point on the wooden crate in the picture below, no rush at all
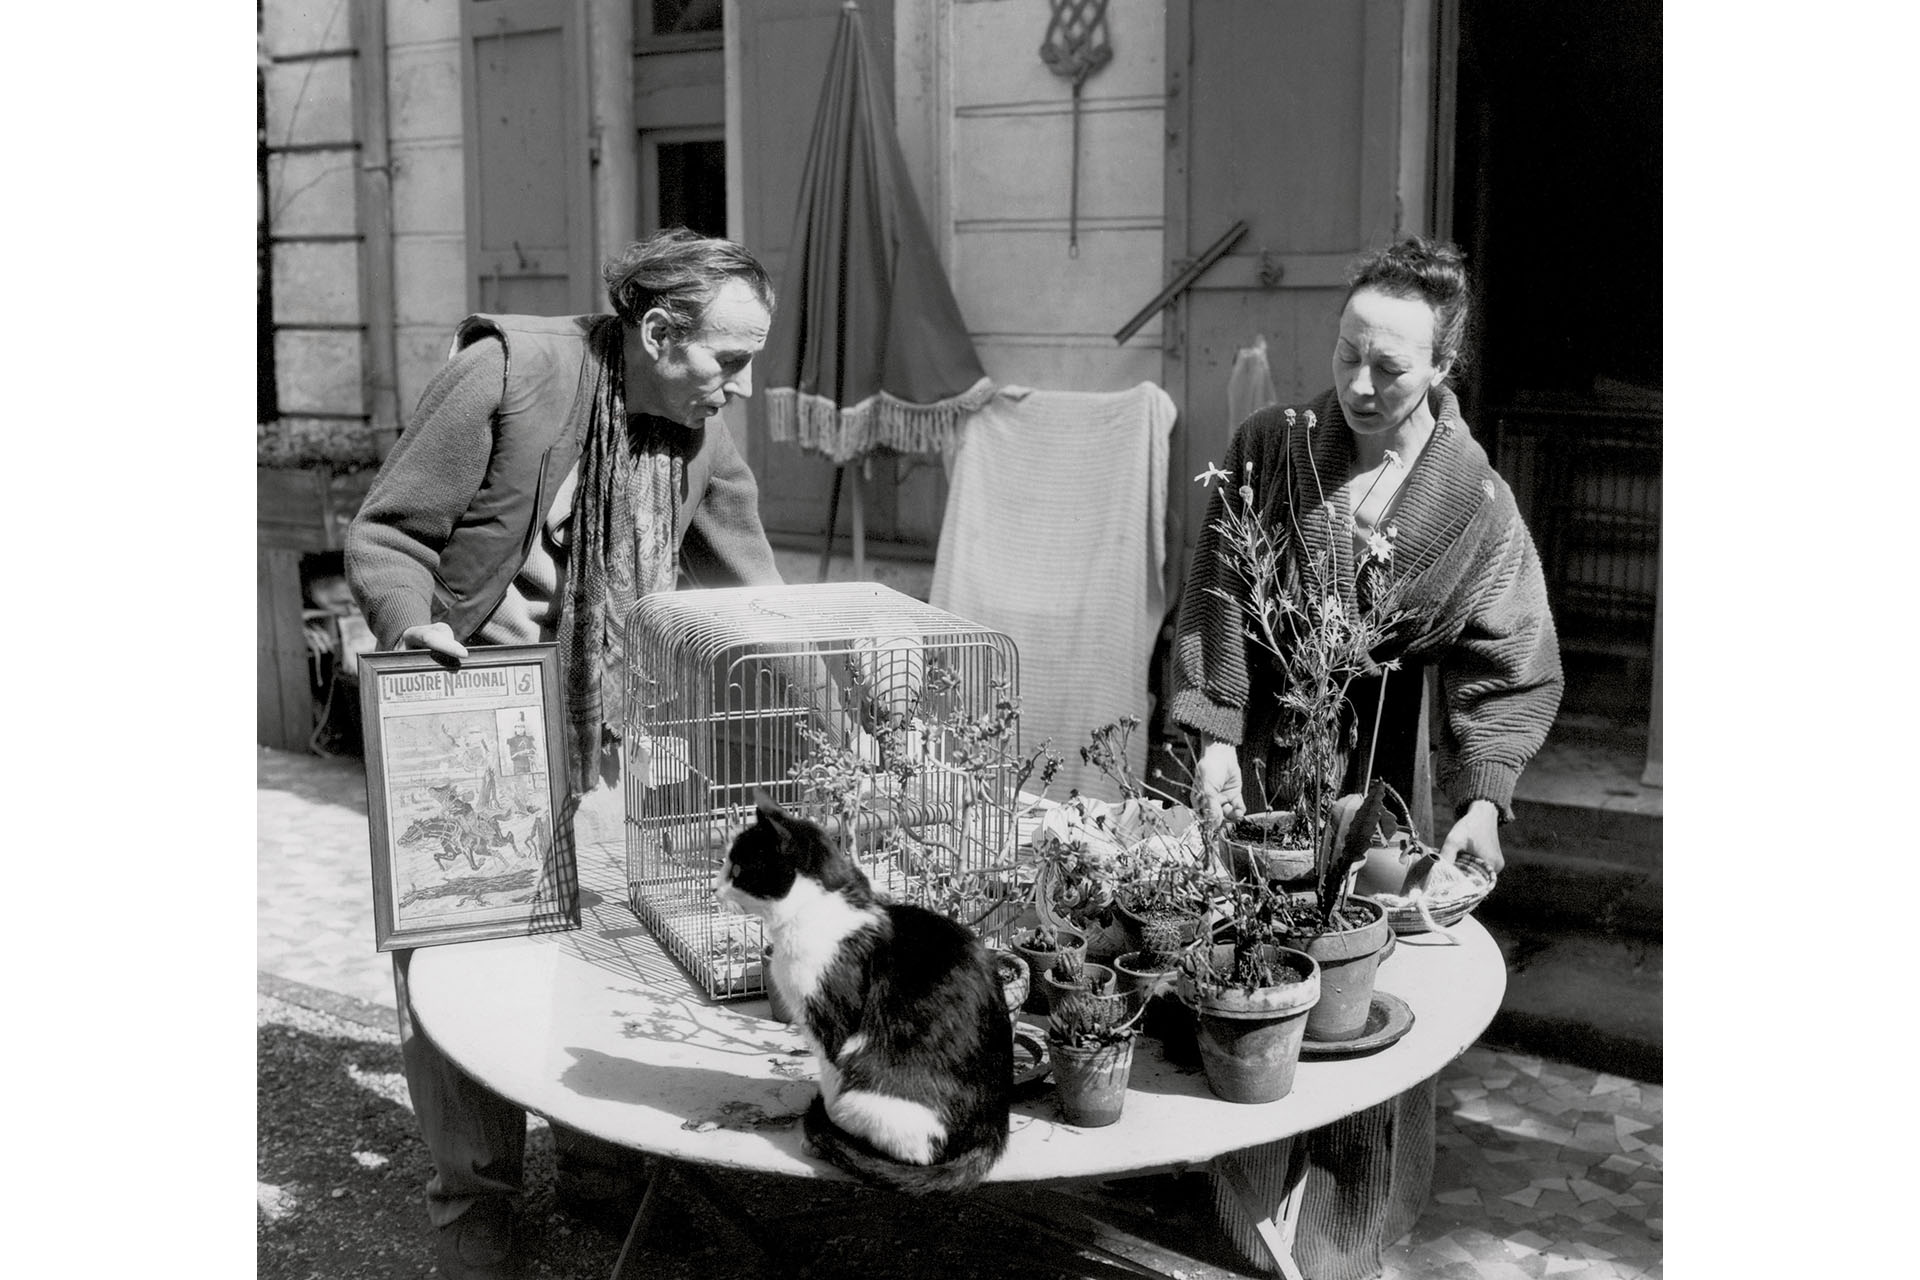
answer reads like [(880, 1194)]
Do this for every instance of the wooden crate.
[(301, 513)]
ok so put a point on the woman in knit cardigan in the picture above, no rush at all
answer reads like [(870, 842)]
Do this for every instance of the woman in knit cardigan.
[(1382, 462)]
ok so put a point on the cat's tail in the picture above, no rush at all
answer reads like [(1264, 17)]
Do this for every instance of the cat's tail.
[(962, 1173)]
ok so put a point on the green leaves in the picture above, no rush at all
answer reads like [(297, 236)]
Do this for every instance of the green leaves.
[(1353, 819)]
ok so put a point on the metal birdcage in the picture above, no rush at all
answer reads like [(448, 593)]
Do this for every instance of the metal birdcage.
[(789, 692)]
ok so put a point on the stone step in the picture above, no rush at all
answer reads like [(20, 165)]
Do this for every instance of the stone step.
[(1572, 867), (1610, 835), (1591, 999)]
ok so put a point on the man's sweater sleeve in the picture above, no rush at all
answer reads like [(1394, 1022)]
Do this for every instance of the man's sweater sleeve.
[(426, 484), (1501, 679), (726, 544)]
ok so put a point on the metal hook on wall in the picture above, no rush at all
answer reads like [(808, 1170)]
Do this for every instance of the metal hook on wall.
[(1270, 270), (1077, 44)]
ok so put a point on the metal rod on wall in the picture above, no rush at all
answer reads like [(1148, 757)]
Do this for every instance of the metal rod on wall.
[(1214, 252)]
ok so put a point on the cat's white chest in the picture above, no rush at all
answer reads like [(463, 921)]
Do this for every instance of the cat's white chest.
[(808, 929)]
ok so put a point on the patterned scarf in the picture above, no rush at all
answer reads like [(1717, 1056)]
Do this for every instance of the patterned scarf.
[(621, 546)]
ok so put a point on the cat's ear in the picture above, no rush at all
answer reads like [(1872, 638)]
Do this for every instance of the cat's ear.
[(766, 810)]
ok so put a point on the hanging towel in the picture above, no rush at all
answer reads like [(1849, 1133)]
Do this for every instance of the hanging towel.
[(1055, 533), (1250, 385)]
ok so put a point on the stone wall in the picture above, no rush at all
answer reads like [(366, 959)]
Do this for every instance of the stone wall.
[(307, 59), (318, 258)]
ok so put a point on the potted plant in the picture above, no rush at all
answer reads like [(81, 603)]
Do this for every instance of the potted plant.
[(1347, 934), (1090, 1042), (1072, 974), (1171, 900), (1274, 844), (1251, 998), (1070, 884), (1015, 978), (1042, 947), (1146, 976), (1317, 643)]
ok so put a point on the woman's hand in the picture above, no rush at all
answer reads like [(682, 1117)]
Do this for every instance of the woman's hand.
[(1478, 830), (1216, 784), (437, 636)]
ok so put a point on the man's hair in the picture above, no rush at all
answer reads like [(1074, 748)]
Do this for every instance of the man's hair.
[(680, 271)]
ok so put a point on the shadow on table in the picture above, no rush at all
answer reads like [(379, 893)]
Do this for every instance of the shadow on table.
[(701, 1098)]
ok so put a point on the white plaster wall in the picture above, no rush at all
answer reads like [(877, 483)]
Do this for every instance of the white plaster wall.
[(985, 126), (987, 129), (310, 193), (426, 129)]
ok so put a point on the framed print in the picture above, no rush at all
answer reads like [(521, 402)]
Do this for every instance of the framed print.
[(466, 796)]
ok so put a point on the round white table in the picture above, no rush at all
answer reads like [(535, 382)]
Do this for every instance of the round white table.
[(599, 1030)]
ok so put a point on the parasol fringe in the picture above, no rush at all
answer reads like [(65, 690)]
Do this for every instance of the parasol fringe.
[(881, 421)]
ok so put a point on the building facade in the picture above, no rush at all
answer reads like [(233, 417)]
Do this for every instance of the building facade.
[(426, 158)]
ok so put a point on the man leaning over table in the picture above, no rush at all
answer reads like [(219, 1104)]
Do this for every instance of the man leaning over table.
[(556, 469)]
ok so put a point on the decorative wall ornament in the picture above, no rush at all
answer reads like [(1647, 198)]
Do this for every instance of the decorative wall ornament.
[(1077, 45)]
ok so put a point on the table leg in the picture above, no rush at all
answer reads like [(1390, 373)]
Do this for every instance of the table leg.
[(1009, 1205), (642, 1219), (1281, 1168), (709, 1188)]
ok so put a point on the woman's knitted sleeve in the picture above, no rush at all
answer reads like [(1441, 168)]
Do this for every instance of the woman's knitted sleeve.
[(1501, 679), (1209, 683), (426, 484)]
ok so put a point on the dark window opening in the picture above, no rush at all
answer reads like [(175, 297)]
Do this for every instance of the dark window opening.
[(676, 17), (693, 186)]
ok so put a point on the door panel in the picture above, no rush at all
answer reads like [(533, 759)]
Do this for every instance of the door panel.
[(1297, 117), (530, 244)]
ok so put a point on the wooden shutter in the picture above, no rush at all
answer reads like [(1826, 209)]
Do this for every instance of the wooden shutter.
[(1313, 122), (530, 244)]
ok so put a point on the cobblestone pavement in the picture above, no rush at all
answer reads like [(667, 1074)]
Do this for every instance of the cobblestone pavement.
[(1543, 1169)]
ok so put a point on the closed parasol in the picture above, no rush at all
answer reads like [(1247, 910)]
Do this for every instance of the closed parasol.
[(868, 350)]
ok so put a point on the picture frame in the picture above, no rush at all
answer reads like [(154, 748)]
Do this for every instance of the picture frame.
[(467, 814)]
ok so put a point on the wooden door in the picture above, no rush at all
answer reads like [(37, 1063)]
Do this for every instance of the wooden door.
[(1312, 121), (530, 244), (680, 115)]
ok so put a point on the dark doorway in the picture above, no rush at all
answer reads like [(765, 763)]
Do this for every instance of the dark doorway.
[(693, 186), (1558, 202)]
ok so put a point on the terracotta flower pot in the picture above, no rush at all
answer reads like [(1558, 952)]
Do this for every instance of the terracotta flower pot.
[(1134, 925), (1016, 981), (1250, 1040), (1253, 854), (1091, 1082), (1142, 983), (1039, 961), (1015, 978), (1097, 983), (1348, 960)]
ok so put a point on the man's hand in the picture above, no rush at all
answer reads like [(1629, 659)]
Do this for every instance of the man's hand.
[(1478, 830), (437, 636), (1216, 784)]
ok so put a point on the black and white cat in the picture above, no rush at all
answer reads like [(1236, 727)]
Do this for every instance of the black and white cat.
[(899, 1005)]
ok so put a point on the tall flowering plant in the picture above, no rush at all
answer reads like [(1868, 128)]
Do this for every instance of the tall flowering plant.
[(1318, 642)]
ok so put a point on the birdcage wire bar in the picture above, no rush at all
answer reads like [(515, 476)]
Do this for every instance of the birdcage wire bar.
[(726, 692)]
